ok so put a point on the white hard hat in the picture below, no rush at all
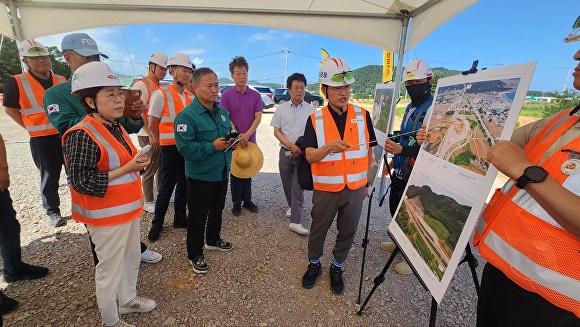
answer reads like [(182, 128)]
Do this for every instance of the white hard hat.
[(32, 48), (575, 34), (417, 69), (179, 59), (93, 74), (159, 58), (335, 72)]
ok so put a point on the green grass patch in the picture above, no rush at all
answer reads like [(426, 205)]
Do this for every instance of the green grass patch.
[(437, 227), (532, 109)]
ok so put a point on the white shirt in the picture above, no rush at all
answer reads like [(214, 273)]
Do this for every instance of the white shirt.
[(140, 85), (291, 120)]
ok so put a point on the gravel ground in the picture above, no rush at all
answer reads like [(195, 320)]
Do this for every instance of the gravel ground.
[(258, 283)]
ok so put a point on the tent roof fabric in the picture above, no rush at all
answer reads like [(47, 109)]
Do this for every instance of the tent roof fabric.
[(376, 23)]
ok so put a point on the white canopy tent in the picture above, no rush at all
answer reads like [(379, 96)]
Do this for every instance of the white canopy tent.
[(383, 24)]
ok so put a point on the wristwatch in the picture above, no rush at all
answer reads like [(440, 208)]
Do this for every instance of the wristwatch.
[(532, 174)]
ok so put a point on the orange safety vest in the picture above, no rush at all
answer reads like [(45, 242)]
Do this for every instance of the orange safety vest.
[(172, 107), (123, 200), (151, 87), (31, 109), (349, 168), (521, 239)]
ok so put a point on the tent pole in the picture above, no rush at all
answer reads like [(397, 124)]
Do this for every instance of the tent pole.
[(402, 43), (15, 22)]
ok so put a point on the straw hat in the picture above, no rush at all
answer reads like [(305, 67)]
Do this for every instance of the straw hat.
[(247, 162)]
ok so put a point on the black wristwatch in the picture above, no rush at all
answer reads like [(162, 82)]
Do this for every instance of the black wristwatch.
[(532, 174)]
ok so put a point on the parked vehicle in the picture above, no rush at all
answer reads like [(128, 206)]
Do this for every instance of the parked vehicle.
[(282, 95), (265, 92)]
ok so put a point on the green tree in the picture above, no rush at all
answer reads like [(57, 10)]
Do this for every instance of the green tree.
[(59, 66), (565, 100), (9, 61)]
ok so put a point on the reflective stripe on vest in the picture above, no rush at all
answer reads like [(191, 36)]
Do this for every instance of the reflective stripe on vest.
[(31, 109), (522, 240), (151, 87), (349, 168), (123, 199), (173, 106)]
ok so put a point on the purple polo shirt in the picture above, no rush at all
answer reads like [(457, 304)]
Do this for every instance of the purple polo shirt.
[(242, 107)]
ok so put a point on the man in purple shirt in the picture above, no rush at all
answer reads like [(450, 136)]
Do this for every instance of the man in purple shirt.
[(245, 108)]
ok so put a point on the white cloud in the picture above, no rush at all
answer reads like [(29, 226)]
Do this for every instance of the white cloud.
[(150, 37), (192, 51)]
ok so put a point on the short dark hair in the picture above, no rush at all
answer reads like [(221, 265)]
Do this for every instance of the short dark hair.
[(238, 61), (198, 73), (89, 93), (295, 77)]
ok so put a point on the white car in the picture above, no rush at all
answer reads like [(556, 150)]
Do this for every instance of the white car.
[(265, 92)]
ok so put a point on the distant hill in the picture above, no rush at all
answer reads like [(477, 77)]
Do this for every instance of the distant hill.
[(369, 76), (443, 208)]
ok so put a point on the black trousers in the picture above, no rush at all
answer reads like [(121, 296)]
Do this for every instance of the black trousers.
[(9, 235), (48, 158), (206, 202), (504, 303)]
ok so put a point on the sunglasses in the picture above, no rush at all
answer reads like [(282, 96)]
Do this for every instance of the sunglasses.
[(342, 77)]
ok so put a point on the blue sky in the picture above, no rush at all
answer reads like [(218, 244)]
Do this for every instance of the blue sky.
[(496, 32)]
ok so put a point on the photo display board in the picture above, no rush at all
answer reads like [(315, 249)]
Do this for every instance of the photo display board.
[(452, 178), (380, 115)]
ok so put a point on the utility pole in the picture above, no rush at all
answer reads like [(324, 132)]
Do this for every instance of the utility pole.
[(567, 76), (286, 68)]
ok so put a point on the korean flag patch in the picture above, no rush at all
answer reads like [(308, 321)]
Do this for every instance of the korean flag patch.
[(52, 108), (181, 128)]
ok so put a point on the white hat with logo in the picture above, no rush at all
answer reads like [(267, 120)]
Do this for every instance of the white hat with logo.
[(32, 48), (93, 74)]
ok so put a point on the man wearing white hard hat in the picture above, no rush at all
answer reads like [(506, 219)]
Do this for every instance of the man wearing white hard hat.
[(338, 141), (64, 109), (417, 77), (164, 106), (103, 168), (23, 95), (529, 233), (147, 85)]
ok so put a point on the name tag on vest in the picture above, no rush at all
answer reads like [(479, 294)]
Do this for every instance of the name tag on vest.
[(356, 120)]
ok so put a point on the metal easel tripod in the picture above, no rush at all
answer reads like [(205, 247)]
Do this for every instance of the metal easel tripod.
[(469, 258)]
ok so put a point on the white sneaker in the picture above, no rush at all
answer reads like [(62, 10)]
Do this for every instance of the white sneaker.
[(150, 256), (298, 228), (402, 268), (388, 246), (289, 213), (121, 323), (138, 304), (149, 207)]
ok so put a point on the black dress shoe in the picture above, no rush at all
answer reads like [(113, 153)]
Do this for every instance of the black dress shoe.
[(180, 224), (154, 233), (26, 272), (237, 210), (7, 304), (251, 207)]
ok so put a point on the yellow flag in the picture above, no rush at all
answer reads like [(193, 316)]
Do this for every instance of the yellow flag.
[(387, 66), (325, 57)]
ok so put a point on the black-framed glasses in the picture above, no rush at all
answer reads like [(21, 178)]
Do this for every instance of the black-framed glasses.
[(86, 58)]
